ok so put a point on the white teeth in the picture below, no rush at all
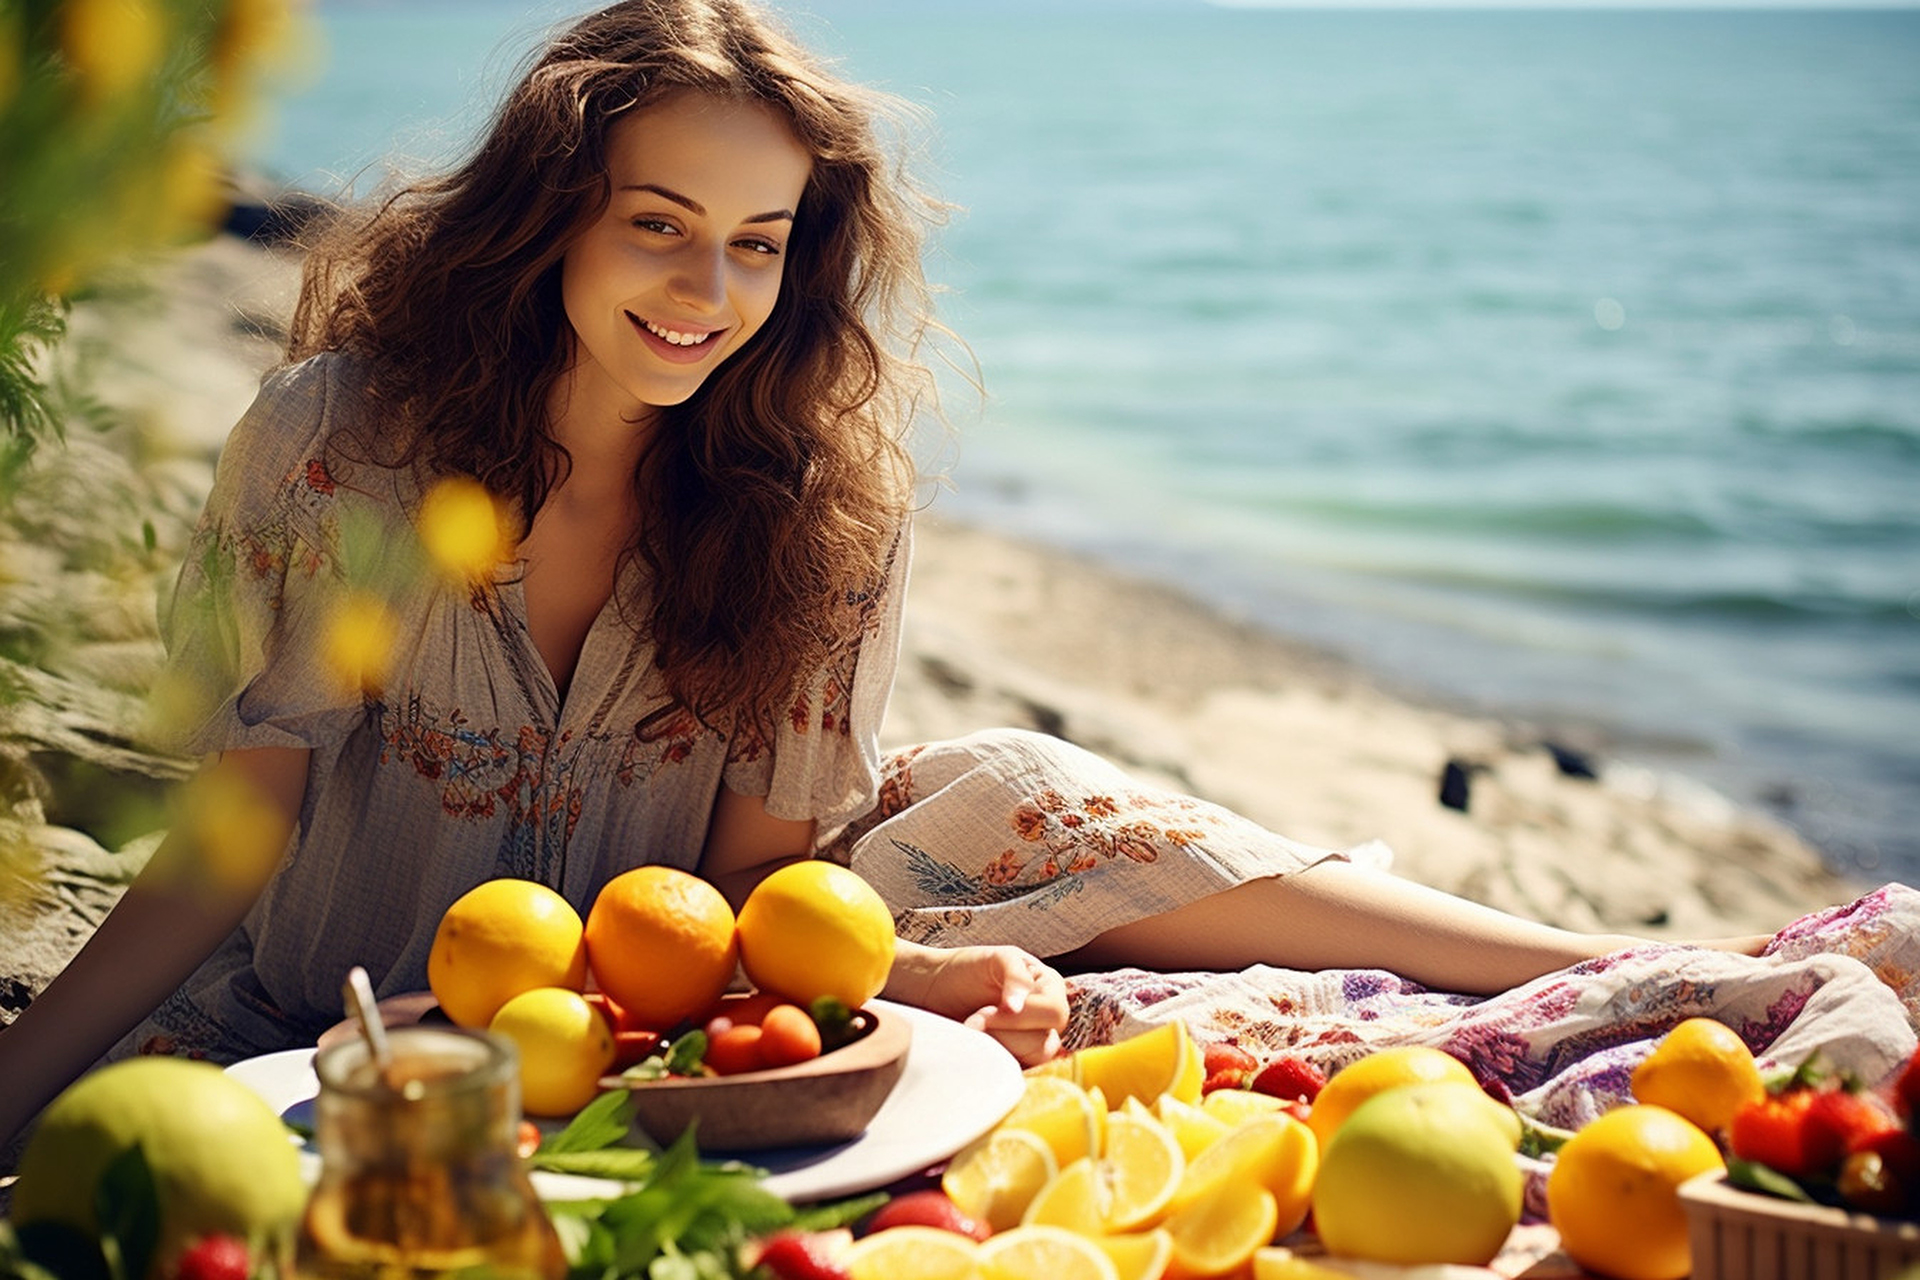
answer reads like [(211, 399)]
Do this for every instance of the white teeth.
[(674, 336)]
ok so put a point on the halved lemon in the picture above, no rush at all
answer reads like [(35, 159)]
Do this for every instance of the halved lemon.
[(1043, 1253), (996, 1177)]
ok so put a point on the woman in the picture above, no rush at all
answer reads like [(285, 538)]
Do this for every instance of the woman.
[(666, 317)]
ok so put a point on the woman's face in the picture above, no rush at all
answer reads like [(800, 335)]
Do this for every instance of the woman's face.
[(684, 266)]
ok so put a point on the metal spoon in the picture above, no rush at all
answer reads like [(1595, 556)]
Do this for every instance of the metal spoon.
[(360, 1003)]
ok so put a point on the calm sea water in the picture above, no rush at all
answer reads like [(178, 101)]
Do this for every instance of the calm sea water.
[(1560, 363)]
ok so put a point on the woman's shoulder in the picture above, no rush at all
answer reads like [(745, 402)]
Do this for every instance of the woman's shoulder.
[(305, 432)]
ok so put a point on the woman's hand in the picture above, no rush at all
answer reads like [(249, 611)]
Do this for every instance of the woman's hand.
[(1002, 991)]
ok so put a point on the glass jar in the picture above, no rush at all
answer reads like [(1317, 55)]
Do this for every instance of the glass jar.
[(419, 1175)]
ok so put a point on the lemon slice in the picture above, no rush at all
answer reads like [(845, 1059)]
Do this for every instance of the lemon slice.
[(1073, 1200), (1163, 1060), (1219, 1233), (1043, 1253), (1069, 1119), (1193, 1128), (912, 1253), (1275, 1152), (1138, 1255), (1140, 1169), (996, 1177), (1231, 1106)]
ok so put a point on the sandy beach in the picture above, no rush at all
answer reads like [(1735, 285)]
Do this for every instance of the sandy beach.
[(999, 632)]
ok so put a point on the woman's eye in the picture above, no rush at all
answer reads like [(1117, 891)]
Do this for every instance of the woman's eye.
[(767, 247), (658, 225)]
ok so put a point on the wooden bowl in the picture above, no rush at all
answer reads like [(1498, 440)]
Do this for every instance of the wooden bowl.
[(827, 1100)]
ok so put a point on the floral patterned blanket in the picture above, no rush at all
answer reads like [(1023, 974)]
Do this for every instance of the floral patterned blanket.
[(1844, 982)]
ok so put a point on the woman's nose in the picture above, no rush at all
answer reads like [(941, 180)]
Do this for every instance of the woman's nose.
[(699, 278)]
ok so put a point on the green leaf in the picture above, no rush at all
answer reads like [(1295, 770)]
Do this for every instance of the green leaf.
[(127, 1206), (1751, 1175), (620, 1164), (688, 1053), (838, 1213), (601, 1123)]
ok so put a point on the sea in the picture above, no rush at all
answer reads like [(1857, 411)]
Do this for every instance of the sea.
[(1562, 364)]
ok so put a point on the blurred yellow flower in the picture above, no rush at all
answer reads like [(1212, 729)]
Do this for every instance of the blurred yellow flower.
[(192, 194), (463, 528), (112, 46), (357, 645), (237, 827)]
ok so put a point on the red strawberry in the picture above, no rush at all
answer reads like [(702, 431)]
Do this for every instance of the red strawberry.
[(930, 1208), (805, 1255), (1224, 1080), (1841, 1120), (1294, 1079), (1906, 1089), (215, 1257), (1227, 1056)]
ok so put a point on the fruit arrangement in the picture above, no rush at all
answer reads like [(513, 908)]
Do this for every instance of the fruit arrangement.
[(640, 987)]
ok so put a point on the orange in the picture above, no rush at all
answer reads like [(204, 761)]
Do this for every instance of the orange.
[(1381, 1070), (815, 929), (1702, 1070), (564, 1046), (1613, 1194), (500, 938), (660, 942)]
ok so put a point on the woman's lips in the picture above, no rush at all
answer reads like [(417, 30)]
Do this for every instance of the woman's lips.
[(681, 352)]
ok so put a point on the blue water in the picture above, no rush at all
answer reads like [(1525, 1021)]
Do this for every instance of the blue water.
[(1565, 364)]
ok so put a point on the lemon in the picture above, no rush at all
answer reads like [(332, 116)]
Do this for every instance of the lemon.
[(1069, 1119), (564, 1046), (996, 1177), (1074, 1199), (1140, 1169), (911, 1253), (1138, 1255), (1233, 1106), (1702, 1070), (1193, 1128), (1614, 1192), (500, 938), (1273, 1151), (815, 929), (1422, 1173), (1218, 1234), (1354, 1083), (1164, 1060), (1043, 1253)]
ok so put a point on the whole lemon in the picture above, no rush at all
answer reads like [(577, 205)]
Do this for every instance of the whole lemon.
[(564, 1047), (500, 938), (1379, 1071), (1419, 1173), (815, 929), (220, 1158), (1614, 1192), (1701, 1069)]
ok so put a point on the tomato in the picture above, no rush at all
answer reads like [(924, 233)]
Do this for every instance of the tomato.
[(787, 1036), (735, 1050), (930, 1208)]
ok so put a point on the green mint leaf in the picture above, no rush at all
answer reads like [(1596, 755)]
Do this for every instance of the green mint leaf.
[(838, 1213), (620, 1164), (1751, 1175), (601, 1123), (127, 1206), (687, 1055)]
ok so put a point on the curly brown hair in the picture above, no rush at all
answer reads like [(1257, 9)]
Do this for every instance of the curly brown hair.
[(772, 496)]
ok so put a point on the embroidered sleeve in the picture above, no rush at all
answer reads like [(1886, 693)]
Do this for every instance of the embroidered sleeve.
[(260, 591), (824, 760)]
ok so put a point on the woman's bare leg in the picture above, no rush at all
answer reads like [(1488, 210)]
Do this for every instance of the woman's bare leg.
[(1339, 916)]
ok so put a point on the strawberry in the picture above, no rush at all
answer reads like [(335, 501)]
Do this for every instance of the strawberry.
[(214, 1257), (804, 1255), (1840, 1120), (1226, 1058), (1906, 1089), (929, 1208), (1291, 1078)]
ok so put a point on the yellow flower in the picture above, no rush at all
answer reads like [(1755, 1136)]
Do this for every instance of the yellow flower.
[(357, 646), (240, 831), (462, 528), (191, 197), (112, 45)]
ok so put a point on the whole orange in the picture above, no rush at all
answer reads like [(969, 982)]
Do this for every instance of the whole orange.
[(815, 929), (1701, 1069), (498, 939), (660, 942), (1614, 1192)]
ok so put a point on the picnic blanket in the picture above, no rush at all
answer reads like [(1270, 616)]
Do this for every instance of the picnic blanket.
[(1843, 982)]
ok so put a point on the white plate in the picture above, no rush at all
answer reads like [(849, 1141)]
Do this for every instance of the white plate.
[(957, 1084)]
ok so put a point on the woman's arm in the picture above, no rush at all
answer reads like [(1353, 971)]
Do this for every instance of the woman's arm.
[(1000, 990), (194, 891)]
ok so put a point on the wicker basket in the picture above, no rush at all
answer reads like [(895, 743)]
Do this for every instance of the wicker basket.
[(1740, 1235)]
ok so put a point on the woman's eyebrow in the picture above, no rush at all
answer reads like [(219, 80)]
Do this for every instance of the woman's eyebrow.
[(699, 210)]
